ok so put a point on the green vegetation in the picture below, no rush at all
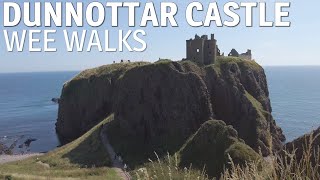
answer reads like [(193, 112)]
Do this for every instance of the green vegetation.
[(211, 145), (208, 147), (84, 158), (163, 61), (192, 67), (168, 169), (284, 166), (279, 167), (193, 62), (214, 150), (261, 123), (223, 60), (108, 69)]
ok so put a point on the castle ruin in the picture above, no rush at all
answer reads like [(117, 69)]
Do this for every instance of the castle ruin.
[(202, 50), (246, 56), (205, 51)]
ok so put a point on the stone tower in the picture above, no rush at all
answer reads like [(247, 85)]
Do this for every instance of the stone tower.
[(202, 50)]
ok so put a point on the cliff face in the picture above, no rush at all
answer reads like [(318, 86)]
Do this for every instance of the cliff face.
[(163, 103), (240, 97), (88, 98)]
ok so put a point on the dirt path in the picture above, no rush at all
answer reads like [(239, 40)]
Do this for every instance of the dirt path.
[(115, 161), (19, 157)]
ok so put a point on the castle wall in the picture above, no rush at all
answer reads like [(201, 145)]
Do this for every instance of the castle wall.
[(202, 50), (210, 51), (195, 50)]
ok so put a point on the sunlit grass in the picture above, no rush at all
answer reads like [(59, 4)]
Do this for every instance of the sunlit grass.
[(168, 169)]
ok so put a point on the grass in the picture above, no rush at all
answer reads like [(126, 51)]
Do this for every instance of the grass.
[(108, 69), (284, 166), (210, 145), (221, 60), (203, 151), (168, 169), (278, 167), (84, 158), (262, 122)]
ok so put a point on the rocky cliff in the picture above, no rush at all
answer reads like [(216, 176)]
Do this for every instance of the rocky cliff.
[(308, 141), (87, 99), (162, 104)]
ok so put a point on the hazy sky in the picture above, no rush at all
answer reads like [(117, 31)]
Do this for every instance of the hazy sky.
[(296, 45)]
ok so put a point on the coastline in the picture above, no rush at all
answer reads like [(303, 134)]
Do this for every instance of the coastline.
[(17, 157)]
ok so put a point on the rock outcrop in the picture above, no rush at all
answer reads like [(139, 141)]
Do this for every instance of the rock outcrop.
[(161, 104), (240, 97), (87, 99), (211, 146), (165, 102), (308, 141)]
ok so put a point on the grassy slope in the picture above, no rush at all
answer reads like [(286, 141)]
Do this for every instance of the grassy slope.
[(84, 158)]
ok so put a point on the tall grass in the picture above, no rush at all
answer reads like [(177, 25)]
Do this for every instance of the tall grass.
[(283, 166), (168, 169)]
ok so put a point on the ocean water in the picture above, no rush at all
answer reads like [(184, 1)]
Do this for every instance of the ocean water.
[(295, 98), (26, 110)]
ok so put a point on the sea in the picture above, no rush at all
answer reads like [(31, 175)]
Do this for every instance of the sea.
[(27, 112), (26, 109)]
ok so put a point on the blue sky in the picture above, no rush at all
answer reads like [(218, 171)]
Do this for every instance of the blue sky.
[(297, 45)]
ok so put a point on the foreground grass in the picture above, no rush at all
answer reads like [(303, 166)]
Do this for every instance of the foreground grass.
[(168, 169), (84, 158), (284, 166), (280, 167)]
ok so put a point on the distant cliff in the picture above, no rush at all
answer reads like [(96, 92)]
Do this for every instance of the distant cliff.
[(161, 104)]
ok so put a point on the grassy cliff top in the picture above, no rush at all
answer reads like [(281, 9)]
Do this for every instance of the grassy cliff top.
[(227, 59), (121, 68), (107, 69), (242, 63)]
